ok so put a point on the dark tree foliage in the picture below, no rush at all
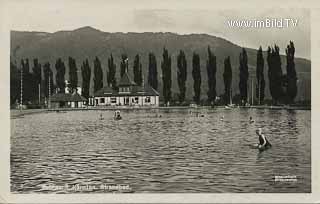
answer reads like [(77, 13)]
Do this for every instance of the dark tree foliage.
[(211, 71), (166, 76), (244, 74), (153, 73), (14, 83), (260, 86), (275, 74), (28, 85), (111, 74), (137, 71), (47, 73), (291, 80), (123, 64), (60, 80), (73, 75), (196, 74), (227, 78), (98, 75), (86, 76), (36, 72), (182, 75)]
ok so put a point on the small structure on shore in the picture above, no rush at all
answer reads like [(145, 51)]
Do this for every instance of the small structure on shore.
[(128, 94), (67, 100)]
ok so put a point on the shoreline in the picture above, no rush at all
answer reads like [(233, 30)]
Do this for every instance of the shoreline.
[(14, 113)]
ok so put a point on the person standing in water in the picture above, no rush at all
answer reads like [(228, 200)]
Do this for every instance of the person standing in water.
[(263, 142)]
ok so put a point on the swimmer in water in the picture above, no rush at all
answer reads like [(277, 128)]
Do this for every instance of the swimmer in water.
[(251, 120), (263, 142), (101, 118)]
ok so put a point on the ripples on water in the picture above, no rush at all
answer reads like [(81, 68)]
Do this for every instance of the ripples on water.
[(176, 153)]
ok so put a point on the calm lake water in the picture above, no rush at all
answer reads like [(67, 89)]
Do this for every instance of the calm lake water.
[(76, 152)]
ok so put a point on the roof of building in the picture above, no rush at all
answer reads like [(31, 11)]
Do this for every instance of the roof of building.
[(106, 91), (126, 81), (147, 90), (67, 97)]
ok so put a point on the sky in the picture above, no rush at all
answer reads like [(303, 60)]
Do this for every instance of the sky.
[(108, 16)]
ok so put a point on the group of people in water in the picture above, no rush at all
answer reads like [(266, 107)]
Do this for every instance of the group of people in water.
[(116, 116), (263, 141)]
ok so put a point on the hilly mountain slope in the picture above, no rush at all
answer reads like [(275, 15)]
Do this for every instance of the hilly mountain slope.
[(88, 43)]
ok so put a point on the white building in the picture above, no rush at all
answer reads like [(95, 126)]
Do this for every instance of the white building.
[(129, 94)]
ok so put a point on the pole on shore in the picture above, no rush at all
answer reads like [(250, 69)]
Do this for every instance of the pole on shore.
[(39, 88), (21, 88), (251, 91), (49, 99)]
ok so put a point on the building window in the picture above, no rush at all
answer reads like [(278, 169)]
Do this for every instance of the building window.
[(102, 100), (147, 99), (136, 99), (113, 100)]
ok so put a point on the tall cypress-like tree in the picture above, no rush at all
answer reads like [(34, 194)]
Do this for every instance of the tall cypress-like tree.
[(260, 86), (98, 75), (47, 73), (60, 80), (211, 71), (123, 64), (86, 76), (29, 90), (275, 74), (36, 71), (182, 75), (196, 74), (111, 74), (153, 73), (292, 88), (244, 74), (73, 75), (137, 71), (166, 76), (227, 78), (14, 83)]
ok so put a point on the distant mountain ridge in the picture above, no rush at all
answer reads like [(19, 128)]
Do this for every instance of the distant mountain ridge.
[(88, 42)]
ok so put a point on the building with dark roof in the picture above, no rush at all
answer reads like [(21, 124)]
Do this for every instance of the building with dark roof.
[(67, 100), (128, 94)]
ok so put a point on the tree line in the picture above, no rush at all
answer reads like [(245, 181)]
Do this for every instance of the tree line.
[(283, 87)]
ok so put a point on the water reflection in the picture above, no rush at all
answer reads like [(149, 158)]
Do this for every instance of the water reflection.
[(178, 152)]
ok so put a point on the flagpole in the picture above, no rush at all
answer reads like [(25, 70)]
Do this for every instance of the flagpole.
[(49, 94), (39, 88), (21, 88)]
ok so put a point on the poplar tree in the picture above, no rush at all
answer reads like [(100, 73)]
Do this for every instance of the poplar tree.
[(137, 71), (73, 75), (86, 76), (153, 73), (291, 89), (166, 76), (260, 86), (123, 64), (275, 74), (98, 75), (196, 74), (60, 80), (244, 74), (47, 73), (211, 71), (182, 75), (111, 74), (227, 78)]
